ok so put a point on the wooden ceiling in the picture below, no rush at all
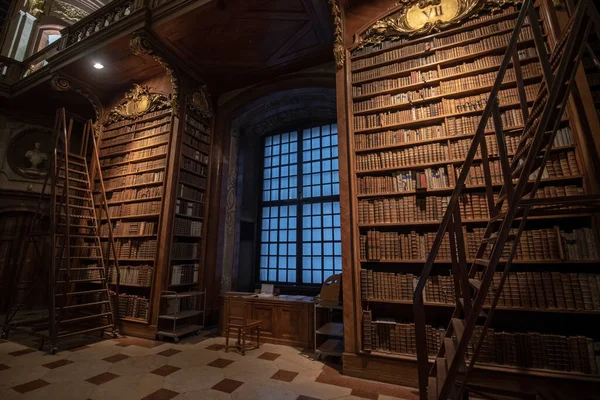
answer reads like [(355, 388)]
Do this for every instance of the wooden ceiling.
[(236, 43)]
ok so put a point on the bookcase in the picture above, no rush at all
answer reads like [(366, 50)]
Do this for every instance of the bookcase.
[(413, 103)]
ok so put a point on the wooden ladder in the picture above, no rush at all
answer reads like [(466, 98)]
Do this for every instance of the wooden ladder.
[(79, 300), (448, 376)]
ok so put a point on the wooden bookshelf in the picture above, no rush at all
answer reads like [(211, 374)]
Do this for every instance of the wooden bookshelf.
[(412, 105)]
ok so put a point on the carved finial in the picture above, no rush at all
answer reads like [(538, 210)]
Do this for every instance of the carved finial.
[(338, 38)]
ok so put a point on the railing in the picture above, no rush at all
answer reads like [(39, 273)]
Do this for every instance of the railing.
[(10, 70), (38, 60)]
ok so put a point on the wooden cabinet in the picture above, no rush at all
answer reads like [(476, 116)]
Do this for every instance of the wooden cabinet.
[(285, 319)]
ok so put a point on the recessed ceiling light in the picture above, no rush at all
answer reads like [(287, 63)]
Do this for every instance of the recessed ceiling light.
[(98, 66)]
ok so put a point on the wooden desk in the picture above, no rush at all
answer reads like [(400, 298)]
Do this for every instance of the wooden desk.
[(285, 319)]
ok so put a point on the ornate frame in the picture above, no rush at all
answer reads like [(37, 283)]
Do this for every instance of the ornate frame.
[(137, 102)]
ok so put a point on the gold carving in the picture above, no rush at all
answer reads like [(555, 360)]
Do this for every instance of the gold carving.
[(338, 38), (60, 83), (420, 17), (200, 102), (141, 45), (66, 11), (137, 102), (36, 7)]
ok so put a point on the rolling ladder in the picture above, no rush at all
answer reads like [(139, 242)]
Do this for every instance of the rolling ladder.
[(79, 300), (517, 201)]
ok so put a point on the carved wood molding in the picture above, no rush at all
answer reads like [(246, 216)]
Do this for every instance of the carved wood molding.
[(62, 83), (138, 101), (200, 102), (140, 44), (421, 17), (338, 35)]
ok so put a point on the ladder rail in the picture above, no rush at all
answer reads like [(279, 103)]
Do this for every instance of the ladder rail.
[(418, 301)]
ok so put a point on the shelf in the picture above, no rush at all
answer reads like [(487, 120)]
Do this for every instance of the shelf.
[(205, 152), (183, 284), (106, 178), (181, 315), (182, 294), (187, 236), (192, 200), (331, 329), (132, 216), (331, 347), (469, 221), (129, 236), (133, 259), (137, 160), (164, 114), (136, 185), (118, 153), (487, 307), (499, 49), (122, 142), (434, 81), (135, 200), (187, 259), (449, 32), (339, 307), (189, 216), (193, 186), (136, 320), (193, 159), (502, 261), (193, 172), (177, 332), (437, 118), (475, 90), (451, 189), (131, 285)]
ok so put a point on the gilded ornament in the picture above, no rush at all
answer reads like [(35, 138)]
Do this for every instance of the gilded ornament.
[(200, 102), (338, 39), (36, 7), (421, 17), (60, 83), (137, 102), (66, 11)]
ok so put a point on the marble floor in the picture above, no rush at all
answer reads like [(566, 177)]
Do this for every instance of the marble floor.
[(196, 368)]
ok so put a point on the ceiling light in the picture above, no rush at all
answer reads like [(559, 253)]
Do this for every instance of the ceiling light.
[(98, 65)]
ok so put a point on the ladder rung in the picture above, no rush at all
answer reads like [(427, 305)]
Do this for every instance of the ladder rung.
[(62, 214), (73, 333), (77, 225), (441, 373), (81, 292), (498, 217), (462, 303), (458, 325), (73, 188), (82, 269), (77, 206), (475, 283), (73, 179), (61, 152), (75, 306), (93, 316), (482, 261), (71, 161), (72, 196), (81, 280), (78, 235), (62, 168)]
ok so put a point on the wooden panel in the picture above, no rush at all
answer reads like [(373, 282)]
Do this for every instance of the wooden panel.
[(267, 314), (291, 322)]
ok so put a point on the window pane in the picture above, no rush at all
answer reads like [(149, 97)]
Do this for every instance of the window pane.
[(274, 248)]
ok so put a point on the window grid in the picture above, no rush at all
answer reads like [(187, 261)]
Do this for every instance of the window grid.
[(300, 238)]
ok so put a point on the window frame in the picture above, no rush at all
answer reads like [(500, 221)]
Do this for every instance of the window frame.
[(298, 202)]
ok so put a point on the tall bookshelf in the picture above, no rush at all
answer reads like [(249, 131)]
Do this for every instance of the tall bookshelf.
[(413, 106)]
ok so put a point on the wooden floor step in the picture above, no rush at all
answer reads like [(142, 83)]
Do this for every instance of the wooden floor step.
[(432, 393), (81, 292), (441, 369), (482, 261), (89, 330), (475, 283), (458, 326), (85, 318), (83, 305)]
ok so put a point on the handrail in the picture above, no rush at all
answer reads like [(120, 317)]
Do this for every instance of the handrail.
[(36, 60), (418, 300)]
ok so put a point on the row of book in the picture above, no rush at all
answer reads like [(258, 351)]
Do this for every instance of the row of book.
[(196, 144), (386, 100), (382, 286), (385, 335), (485, 62), (132, 209), (194, 154), (89, 251), (189, 208), (110, 129), (185, 274), (134, 145), (188, 193), (134, 156), (187, 227), (133, 249), (129, 275), (409, 209), (537, 350), (455, 126), (130, 306), (547, 290), (395, 41), (436, 56), (192, 179), (198, 133), (404, 181), (543, 244), (128, 180), (480, 80), (197, 124), (393, 246), (133, 168), (83, 274), (593, 79), (413, 78), (121, 228), (423, 47), (460, 148), (185, 251), (445, 107), (174, 306), (130, 194), (135, 135), (406, 156), (194, 166)]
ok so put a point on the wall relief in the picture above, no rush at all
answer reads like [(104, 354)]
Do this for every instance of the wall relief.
[(29, 153), (137, 102)]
